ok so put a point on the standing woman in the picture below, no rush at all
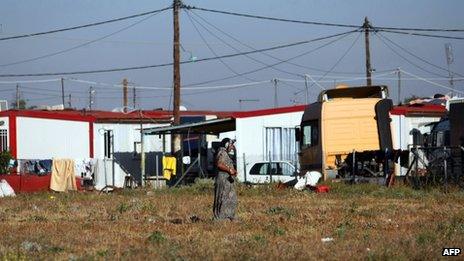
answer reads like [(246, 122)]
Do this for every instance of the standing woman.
[(225, 198)]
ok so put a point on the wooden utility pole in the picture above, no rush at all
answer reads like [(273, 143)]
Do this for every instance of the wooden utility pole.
[(17, 97), (175, 139), (90, 97), (124, 94), (62, 91), (276, 102), (69, 101), (306, 89), (398, 70), (367, 27), (134, 97)]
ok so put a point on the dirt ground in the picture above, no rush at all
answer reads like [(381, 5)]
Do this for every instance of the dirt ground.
[(357, 222)]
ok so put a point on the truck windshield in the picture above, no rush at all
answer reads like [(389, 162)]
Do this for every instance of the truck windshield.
[(310, 134)]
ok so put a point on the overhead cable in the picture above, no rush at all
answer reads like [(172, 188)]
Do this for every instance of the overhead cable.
[(269, 18), (183, 62), (318, 23), (431, 82), (419, 34), (341, 36), (266, 54), (192, 19), (31, 81), (414, 55), (228, 67), (80, 45), (340, 59), (170, 88), (406, 59), (85, 25)]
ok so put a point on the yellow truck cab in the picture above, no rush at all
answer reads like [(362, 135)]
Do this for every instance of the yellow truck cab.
[(343, 120)]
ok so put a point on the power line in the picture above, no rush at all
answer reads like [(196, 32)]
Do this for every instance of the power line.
[(343, 35), (420, 34), (80, 45), (406, 59), (236, 49), (341, 58), (184, 62), (433, 83), (213, 52), (317, 23), (416, 56), (268, 18), (31, 81), (86, 25), (251, 47), (335, 65)]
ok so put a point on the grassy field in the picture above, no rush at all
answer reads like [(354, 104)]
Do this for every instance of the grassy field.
[(364, 221)]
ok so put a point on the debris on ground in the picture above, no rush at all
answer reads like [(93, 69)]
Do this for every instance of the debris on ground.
[(309, 179), (320, 189), (327, 239), (6, 190), (194, 219), (31, 246)]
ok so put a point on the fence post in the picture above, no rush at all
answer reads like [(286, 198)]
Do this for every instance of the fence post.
[(157, 170), (353, 168), (270, 169), (244, 169), (445, 168)]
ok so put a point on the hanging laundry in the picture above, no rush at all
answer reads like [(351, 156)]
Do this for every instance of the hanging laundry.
[(103, 173), (85, 168), (35, 166), (169, 167), (63, 175), (46, 165)]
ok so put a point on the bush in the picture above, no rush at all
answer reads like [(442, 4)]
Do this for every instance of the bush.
[(5, 157)]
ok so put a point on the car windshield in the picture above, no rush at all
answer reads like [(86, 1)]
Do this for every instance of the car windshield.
[(272, 168)]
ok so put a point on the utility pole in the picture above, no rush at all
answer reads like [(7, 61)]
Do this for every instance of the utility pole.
[(17, 97), (276, 102), (69, 101), (91, 91), (400, 119), (175, 139), (367, 27), (306, 89), (449, 61), (124, 94), (398, 70), (62, 91), (134, 97)]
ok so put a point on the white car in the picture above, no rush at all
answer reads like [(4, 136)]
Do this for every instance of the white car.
[(262, 172)]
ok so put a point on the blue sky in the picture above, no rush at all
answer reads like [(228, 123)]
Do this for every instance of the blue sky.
[(150, 42)]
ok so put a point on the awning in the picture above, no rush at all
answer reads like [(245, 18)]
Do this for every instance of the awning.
[(215, 126)]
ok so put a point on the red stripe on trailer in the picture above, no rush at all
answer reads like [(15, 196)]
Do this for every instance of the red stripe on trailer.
[(265, 112)]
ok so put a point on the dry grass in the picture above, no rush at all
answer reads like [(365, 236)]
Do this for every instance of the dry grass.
[(365, 222)]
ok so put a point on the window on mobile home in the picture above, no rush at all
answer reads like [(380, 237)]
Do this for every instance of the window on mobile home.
[(280, 144), (3, 140)]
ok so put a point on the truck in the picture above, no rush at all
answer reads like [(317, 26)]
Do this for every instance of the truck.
[(342, 123)]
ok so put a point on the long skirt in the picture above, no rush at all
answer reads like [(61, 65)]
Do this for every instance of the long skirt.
[(225, 198)]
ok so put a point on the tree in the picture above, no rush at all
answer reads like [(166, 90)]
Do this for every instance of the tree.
[(22, 104)]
